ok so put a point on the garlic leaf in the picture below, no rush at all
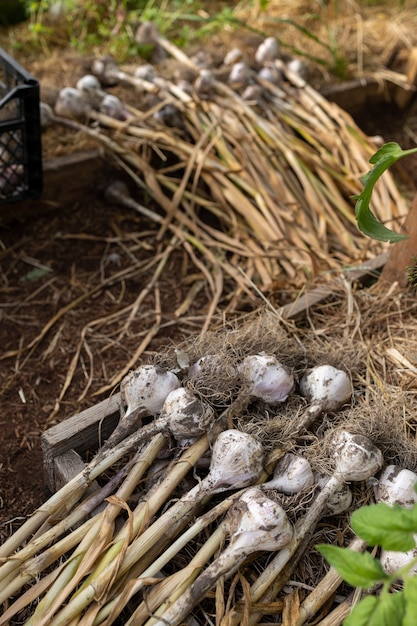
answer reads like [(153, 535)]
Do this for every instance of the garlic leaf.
[(358, 570), (386, 156), (393, 528)]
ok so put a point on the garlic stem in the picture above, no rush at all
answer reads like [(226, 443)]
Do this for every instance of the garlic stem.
[(356, 458), (237, 461)]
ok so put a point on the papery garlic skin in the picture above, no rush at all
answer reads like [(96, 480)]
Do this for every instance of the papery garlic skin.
[(396, 485), (292, 474), (256, 520), (187, 416), (237, 460), (328, 386), (266, 378), (357, 458), (147, 388)]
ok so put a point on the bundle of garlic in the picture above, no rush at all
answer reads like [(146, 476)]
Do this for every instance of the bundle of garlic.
[(255, 147)]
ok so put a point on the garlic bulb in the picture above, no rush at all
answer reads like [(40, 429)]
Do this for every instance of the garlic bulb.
[(237, 461), (88, 83), (187, 416), (239, 75), (339, 501), (145, 72), (292, 474), (113, 107), (233, 56), (266, 378), (271, 74), (267, 51), (396, 486), (357, 458), (256, 522), (71, 103), (326, 386), (147, 388)]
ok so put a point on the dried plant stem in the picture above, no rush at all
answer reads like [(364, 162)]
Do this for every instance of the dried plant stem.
[(110, 569), (267, 577)]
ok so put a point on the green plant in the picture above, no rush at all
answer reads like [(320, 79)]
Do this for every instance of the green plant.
[(386, 156), (392, 528)]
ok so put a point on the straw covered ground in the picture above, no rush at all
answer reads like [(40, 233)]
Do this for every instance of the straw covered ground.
[(229, 199)]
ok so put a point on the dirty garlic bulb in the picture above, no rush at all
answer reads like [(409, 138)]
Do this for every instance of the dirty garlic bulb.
[(237, 460), (187, 416), (292, 474), (147, 388), (339, 501), (267, 51), (239, 75), (356, 457), (72, 103), (91, 89), (327, 389), (266, 378), (396, 485)]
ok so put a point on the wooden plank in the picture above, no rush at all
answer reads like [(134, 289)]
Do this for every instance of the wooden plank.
[(81, 432), (404, 252)]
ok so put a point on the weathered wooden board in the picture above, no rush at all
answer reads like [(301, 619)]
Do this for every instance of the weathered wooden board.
[(81, 432)]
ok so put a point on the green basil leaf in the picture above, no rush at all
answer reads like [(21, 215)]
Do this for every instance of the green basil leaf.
[(393, 528), (366, 220), (358, 570)]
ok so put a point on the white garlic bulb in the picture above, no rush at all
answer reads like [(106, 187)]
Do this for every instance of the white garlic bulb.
[(267, 51), (393, 561), (357, 458), (71, 103), (292, 474), (187, 416), (147, 388), (396, 485), (326, 386), (239, 75), (266, 378), (237, 460), (339, 501), (257, 523)]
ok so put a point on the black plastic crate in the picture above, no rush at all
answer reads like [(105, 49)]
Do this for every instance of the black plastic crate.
[(20, 133)]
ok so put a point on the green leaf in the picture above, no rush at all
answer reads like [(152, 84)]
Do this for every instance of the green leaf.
[(367, 222), (410, 597), (358, 570), (387, 610), (393, 528), (362, 612)]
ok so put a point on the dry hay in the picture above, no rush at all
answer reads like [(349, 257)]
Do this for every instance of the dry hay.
[(369, 333)]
